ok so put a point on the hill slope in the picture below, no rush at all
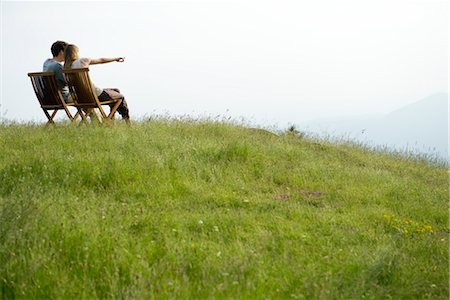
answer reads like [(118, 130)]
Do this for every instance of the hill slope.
[(171, 209)]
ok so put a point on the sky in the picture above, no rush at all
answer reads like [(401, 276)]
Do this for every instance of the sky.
[(270, 62)]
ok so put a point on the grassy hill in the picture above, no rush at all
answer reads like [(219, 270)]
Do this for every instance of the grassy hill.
[(179, 209)]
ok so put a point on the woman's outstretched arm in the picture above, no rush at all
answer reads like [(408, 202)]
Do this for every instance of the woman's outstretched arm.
[(95, 61)]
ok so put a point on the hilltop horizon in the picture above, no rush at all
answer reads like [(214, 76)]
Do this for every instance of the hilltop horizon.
[(421, 127)]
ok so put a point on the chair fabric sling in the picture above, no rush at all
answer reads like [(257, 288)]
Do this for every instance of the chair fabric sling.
[(49, 96), (84, 96)]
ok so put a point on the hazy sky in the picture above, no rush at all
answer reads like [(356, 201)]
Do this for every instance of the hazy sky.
[(269, 61)]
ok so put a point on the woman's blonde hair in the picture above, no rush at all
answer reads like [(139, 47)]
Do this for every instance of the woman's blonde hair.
[(70, 55)]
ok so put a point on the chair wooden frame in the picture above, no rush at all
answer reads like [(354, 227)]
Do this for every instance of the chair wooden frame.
[(83, 93), (49, 96)]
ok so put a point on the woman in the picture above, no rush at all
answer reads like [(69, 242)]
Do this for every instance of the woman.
[(72, 60)]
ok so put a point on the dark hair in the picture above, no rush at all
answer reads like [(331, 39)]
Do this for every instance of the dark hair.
[(57, 47)]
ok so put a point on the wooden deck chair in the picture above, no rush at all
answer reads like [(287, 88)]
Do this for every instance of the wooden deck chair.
[(49, 96), (84, 96)]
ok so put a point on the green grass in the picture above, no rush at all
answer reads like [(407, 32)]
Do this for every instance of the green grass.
[(179, 209)]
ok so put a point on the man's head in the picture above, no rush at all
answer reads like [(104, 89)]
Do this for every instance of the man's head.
[(58, 50)]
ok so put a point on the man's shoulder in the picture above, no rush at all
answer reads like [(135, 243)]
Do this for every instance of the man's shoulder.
[(51, 66)]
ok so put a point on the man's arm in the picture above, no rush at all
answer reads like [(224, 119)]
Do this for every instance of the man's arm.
[(60, 80)]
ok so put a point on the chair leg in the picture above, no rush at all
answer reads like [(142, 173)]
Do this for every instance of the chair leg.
[(113, 110), (98, 117), (50, 118), (74, 119), (103, 114), (71, 118), (83, 116)]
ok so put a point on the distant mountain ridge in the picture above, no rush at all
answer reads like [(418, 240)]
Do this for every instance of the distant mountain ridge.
[(420, 127)]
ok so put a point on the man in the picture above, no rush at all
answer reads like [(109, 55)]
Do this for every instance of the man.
[(54, 65)]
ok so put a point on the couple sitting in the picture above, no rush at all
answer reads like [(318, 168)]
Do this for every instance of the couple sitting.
[(62, 52)]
